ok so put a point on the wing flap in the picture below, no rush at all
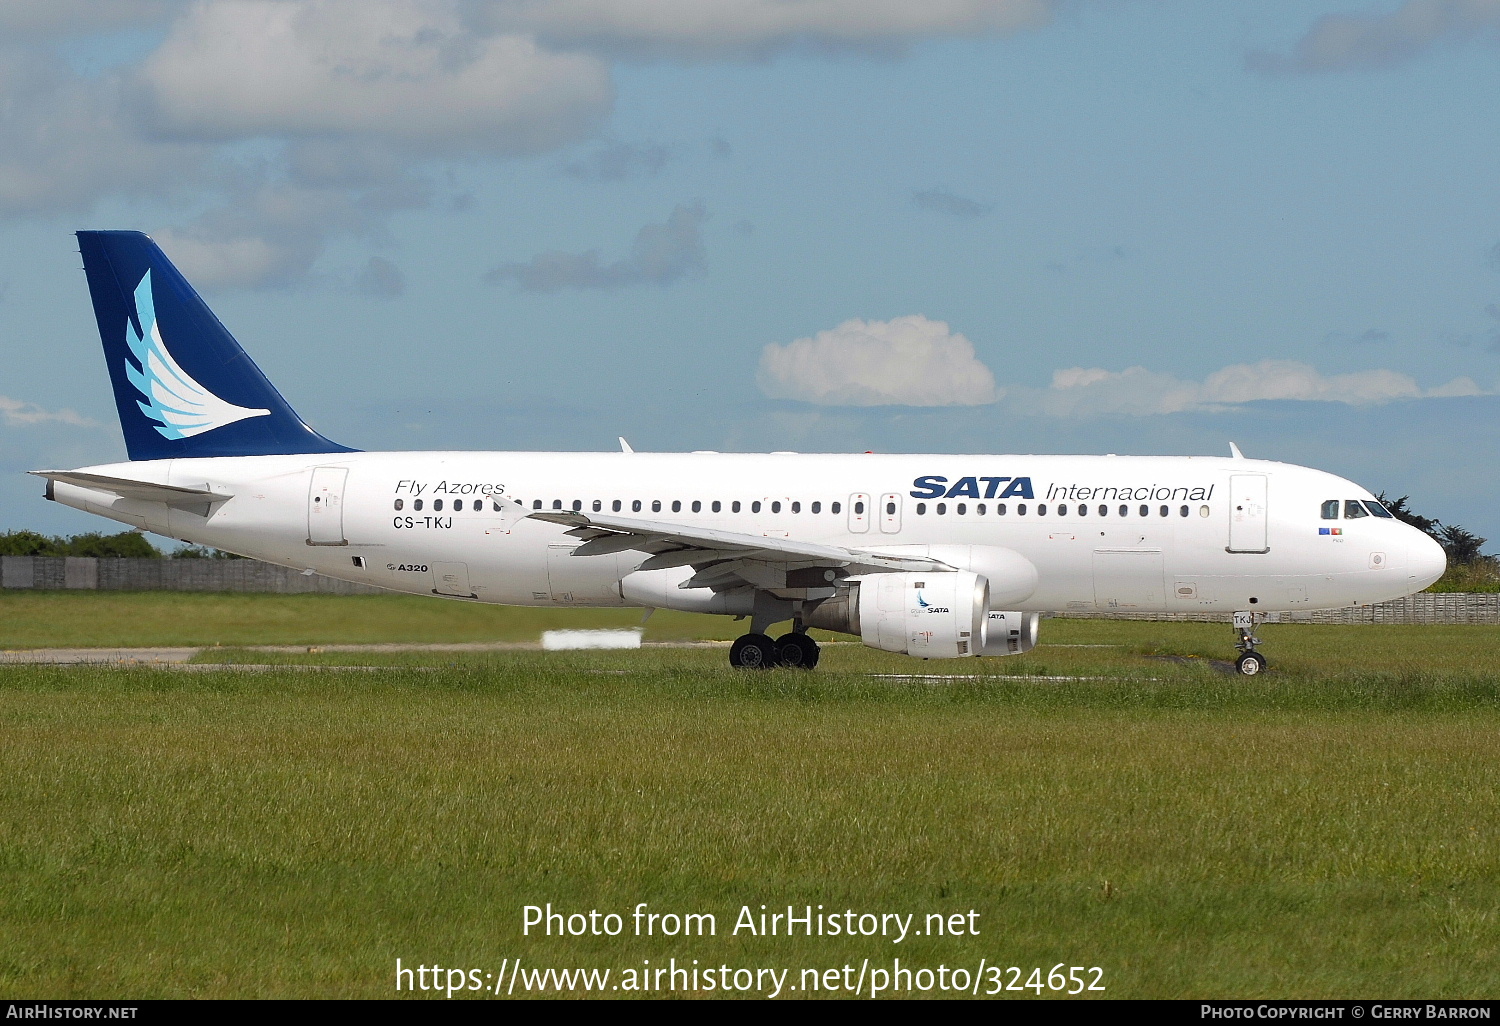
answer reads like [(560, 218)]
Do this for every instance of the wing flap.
[(615, 534)]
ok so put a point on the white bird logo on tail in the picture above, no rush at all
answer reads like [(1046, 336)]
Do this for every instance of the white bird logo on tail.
[(183, 407)]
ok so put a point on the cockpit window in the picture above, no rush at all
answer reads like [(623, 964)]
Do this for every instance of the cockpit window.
[(1331, 509), (1377, 509), (1354, 509)]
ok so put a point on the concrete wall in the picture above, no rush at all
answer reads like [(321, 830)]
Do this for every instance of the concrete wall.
[(166, 575), (253, 575)]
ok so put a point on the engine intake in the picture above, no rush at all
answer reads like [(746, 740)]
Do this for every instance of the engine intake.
[(938, 615)]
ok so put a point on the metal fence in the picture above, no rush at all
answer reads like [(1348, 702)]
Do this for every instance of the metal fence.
[(252, 575), (88, 572)]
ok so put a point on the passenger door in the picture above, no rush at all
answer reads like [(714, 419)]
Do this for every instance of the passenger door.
[(325, 506), (1247, 513)]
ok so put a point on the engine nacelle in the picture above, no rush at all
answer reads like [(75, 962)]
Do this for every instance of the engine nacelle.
[(1008, 632), (933, 615)]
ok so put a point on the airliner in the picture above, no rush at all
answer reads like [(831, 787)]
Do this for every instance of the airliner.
[(938, 556)]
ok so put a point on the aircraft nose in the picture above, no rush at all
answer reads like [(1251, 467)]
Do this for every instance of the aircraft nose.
[(1425, 561)]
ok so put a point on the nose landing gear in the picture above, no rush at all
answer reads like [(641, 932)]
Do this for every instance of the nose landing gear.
[(1250, 661)]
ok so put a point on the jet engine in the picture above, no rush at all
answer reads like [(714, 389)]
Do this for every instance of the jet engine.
[(1008, 632), (932, 615)]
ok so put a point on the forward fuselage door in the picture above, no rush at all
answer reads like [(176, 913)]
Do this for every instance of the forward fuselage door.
[(890, 512), (1248, 522), (325, 506), (859, 513)]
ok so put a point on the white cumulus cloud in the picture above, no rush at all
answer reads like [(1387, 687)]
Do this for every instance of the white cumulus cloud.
[(18, 412), (1142, 392), (908, 361), (706, 28), (1366, 41), (406, 71)]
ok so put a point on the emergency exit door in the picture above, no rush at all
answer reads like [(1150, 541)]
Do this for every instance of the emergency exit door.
[(325, 506), (890, 513), (1247, 513)]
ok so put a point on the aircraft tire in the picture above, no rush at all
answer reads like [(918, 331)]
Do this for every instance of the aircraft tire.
[(753, 652), (797, 651), (1250, 663)]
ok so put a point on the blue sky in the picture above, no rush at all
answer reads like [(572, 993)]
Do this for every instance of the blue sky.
[(826, 225)]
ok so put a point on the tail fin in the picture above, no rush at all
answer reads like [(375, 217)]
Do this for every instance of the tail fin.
[(183, 385)]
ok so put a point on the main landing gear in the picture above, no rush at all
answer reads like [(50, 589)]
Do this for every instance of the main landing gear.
[(758, 652), (1250, 661)]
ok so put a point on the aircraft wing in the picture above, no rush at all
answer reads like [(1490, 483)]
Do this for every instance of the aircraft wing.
[(726, 559), (194, 499)]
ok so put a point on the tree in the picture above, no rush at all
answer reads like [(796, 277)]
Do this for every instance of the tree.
[(127, 544)]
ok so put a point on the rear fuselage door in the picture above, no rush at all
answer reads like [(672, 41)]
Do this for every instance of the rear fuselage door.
[(1247, 513), (325, 506)]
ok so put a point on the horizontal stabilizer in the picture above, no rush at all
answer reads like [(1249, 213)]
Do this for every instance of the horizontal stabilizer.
[(194, 499)]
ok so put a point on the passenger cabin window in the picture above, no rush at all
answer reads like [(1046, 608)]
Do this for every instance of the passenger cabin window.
[(921, 509), (890, 509), (1145, 510), (1166, 511), (796, 507), (961, 509), (697, 506), (556, 504), (979, 510), (999, 509), (676, 505), (635, 506), (1354, 509), (1182, 512), (1124, 510), (615, 506), (1330, 510), (817, 507), (859, 508), (1103, 510), (656, 505), (755, 506), (834, 507), (1379, 510), (577, 505), (734, 507), (717, 506), (598, 505), (776, 507), (942, 508), (1020, 509), (1041, 510), (1062, 509), (437, 504), (400, 504)]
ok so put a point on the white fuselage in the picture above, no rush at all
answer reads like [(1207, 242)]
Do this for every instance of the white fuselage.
[(1082, 532)]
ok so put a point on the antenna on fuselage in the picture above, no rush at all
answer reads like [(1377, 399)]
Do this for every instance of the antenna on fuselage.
[(1234, 451), (624, 445)]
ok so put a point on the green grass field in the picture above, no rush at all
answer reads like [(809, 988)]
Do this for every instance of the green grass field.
[(1328, 829)]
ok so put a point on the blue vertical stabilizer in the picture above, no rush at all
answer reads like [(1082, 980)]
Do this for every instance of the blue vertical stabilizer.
[(183, 386)]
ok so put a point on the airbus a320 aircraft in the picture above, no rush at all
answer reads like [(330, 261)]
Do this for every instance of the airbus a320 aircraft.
[(935, 556)]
